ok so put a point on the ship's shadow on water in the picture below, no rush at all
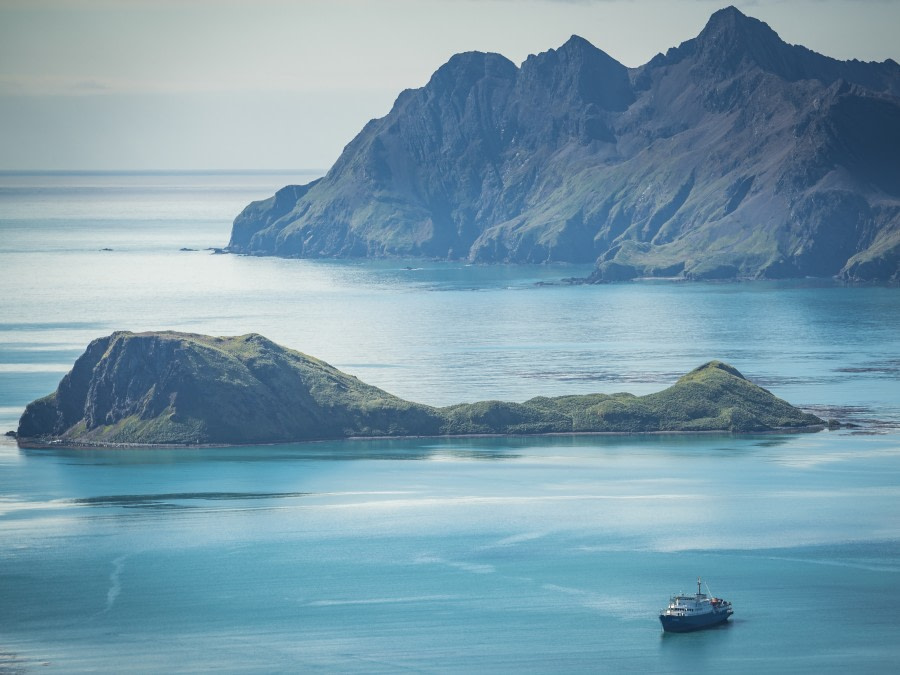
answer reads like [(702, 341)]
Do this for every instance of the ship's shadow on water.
[(702, 644), (166, 500), (728, 625)]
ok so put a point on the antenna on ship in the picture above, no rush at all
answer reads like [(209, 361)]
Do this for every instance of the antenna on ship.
[(698, 585)]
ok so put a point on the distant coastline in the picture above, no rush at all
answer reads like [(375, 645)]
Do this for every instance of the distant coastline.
[(734, 155), (160, 172)]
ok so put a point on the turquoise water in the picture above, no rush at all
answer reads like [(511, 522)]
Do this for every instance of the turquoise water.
[(544, 555)]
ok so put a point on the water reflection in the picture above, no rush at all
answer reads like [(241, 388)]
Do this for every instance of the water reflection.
[(157, 500), (475, 448)]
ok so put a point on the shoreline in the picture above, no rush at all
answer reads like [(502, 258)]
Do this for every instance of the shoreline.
[(59, 444)]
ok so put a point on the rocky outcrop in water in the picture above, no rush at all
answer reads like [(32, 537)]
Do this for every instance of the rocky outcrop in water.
[(732, 155), (178, 388), (182, 389)]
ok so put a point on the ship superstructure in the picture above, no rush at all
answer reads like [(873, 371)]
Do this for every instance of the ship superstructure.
[(692, 612)]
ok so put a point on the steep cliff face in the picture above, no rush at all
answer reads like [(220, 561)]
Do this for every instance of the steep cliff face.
[(176, 388), (734, 154), (787, 160), (183, 389)]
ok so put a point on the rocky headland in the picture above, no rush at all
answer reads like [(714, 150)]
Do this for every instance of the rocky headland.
[(168, 388), (733, 155)]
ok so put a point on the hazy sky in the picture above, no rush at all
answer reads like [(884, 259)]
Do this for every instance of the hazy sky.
[(227, 84)]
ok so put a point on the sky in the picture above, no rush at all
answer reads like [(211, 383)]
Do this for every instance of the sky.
[(286, 84)]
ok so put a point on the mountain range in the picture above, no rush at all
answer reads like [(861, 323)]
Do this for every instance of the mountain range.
[(733, 155)]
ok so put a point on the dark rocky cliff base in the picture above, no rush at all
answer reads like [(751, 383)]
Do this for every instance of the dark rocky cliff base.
[(733, 155), (182, 389)]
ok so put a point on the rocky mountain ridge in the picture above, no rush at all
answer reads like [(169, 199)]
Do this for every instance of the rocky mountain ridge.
[(734, 154)]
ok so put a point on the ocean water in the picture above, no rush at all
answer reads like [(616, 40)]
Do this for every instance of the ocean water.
[(548, 554)]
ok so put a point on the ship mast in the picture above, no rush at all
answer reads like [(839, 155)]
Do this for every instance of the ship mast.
[(698, 585)]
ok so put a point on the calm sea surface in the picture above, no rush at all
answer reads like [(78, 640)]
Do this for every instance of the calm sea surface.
[(550, 554)]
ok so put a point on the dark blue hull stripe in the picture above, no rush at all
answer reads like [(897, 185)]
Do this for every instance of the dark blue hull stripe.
[(683, 624)]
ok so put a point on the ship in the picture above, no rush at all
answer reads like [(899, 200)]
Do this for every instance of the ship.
[(693, 612)]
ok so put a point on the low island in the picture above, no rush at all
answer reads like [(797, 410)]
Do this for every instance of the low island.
[(168, 388)]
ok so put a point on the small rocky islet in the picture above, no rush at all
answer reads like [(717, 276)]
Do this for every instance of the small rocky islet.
[(181, 389)]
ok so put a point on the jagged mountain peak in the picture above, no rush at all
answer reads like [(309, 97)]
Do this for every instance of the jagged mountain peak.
[(578, 70), (731, 41), (730, 32), (577, 44), (731, 18), (577, 41), (575, 49), (734, 154)]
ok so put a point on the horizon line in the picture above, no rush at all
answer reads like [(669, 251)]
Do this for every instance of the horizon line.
[(50, 172)]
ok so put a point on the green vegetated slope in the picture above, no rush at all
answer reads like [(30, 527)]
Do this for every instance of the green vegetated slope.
[(171, 388), (713, 397), (175, 388)]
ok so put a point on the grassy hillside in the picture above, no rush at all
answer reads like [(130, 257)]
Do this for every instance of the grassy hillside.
[(171, 388)]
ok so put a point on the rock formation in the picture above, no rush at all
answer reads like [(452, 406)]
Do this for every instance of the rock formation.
[(732, 155), (183, 389)]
